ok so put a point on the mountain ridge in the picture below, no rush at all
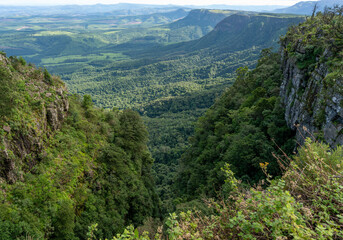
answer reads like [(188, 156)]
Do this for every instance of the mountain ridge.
[(307, 7)]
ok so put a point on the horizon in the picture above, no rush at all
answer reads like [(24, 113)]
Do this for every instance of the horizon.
[(42, 3)]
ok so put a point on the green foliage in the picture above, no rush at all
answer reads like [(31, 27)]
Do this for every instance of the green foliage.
[(22, 61), (95, 167), (305, 204), (315, 177), (47, 76), (128, 66), (7, 91), (131, 234), (308, 41), (87, 101), (243, 128), (95, 171)]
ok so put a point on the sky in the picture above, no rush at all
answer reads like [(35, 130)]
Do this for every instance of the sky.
[(176, 2)]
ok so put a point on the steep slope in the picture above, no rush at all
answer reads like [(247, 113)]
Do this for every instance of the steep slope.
[(27, 118), (174, 85), (306, 202), (65, 164), (298, 91), (313, 79), (203, 18), (196, 24), (243, 128)]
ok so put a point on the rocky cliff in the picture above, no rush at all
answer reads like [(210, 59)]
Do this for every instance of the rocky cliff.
[(36, 109), (312, 86)]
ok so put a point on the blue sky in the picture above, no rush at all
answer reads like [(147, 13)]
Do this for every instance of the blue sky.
[(178, 2)]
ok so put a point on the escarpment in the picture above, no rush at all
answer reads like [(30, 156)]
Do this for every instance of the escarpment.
[(36, 106), (312, 86)]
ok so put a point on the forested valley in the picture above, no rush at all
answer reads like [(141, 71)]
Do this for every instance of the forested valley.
[(171, 123)]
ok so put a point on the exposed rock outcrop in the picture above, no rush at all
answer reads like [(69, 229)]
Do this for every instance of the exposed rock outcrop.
[(39, 110), (313, 100)]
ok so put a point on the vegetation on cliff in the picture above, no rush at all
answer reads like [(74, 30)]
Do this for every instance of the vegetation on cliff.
[(70, 170), (313, 76), (306, 201), (243, 128), (92, 166)]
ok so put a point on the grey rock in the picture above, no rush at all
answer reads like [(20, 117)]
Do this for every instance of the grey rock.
[(311, 107), (22, 146)]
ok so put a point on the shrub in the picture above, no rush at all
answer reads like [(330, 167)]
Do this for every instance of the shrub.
[(307, 203)]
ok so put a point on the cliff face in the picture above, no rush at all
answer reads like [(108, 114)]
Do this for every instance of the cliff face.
[(312, 84), (32, 119)]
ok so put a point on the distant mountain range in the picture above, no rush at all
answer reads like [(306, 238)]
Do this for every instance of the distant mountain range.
[(306, 8), (256, 8), (125, 9), (119, 9)]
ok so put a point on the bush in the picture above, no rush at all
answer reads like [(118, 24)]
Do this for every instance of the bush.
[(307, 203)]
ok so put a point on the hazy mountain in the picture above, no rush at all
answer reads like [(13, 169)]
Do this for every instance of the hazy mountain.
[(239, 7), (307, 7), (118, 9)]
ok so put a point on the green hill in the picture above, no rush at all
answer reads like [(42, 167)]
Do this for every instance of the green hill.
[(196, 24), (239, 32)]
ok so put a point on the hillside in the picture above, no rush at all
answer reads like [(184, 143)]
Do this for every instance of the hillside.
[(204, 18), (181, 68), (172, 86), (298, 89), (196, 24), (239, 32), (244, 127), (242, 152), (66, 164)]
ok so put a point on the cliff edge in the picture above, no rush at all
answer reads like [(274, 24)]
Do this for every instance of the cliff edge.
[(33, 106), (312, 86)]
